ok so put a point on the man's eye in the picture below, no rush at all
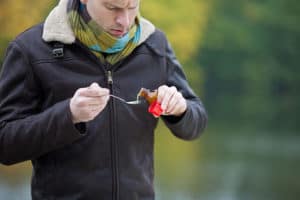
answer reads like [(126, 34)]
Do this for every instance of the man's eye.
[(132, 8), (111, 8)]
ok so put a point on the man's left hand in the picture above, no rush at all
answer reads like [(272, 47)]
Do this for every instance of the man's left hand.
[(171, 100)]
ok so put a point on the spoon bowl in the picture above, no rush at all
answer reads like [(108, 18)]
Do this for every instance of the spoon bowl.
[(134, 102)]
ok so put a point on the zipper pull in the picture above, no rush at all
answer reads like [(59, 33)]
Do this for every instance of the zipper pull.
[(109, 78)]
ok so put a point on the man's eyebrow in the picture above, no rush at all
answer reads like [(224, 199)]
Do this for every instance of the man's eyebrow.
[(112, 5), (109, 4)]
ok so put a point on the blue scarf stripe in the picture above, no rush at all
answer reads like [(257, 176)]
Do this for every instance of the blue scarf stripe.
[(119, 45)]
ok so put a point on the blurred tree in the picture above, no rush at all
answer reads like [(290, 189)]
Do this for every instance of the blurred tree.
[(18, 15), (249, 57), (184, 23)]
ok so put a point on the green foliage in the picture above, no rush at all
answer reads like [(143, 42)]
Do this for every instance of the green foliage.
[(18, 15), (184, 23), (249, 57)]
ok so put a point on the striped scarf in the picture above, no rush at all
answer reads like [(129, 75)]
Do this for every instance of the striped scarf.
[(99, 41)]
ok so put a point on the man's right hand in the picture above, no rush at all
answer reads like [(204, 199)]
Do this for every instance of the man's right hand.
[(88, 102)]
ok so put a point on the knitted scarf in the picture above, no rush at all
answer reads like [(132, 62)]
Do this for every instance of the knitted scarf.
[(99, 41)]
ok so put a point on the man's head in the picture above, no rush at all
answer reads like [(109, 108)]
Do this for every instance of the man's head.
[(114, 16)]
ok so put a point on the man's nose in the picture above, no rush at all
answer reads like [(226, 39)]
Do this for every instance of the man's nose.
[(123, 18)]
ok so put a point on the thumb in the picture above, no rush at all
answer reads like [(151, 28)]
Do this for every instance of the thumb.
[(94, 85)]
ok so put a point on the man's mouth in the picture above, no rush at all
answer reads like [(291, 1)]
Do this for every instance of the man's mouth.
[(117, 32)]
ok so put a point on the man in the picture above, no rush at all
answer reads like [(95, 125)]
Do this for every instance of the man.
[(56, 110)]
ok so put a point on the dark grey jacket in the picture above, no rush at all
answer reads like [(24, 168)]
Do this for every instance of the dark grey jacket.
[(110, 157)]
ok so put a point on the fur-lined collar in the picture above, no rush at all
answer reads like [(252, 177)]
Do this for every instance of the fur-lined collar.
[(57, 27)]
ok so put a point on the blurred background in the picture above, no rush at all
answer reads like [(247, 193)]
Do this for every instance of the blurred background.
[(241, 58)]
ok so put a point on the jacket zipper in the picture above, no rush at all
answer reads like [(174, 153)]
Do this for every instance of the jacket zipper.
[(109, 79), (114, 144), (114, 141)]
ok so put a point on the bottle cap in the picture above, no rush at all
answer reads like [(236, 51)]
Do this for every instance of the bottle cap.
[(155, 109)]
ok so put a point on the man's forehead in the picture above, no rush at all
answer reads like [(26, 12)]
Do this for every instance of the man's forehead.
[(123, 3)]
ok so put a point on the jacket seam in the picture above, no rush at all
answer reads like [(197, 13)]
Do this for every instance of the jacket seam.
[(31, 77), (52, 60), (29, 61), (22, 49)]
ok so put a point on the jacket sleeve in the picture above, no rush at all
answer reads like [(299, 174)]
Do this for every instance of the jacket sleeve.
[(192, 123), (27, 131)]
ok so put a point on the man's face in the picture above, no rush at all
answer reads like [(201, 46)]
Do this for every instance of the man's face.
[(114, 16)]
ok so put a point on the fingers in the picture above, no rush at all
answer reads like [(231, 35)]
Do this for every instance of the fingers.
[(175, 103), (92, 95), (88, 102), (172, 101), (94, 90), (83, 101), (165, 95)]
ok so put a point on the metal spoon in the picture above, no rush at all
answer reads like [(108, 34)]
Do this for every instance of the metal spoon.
[(137, 101)]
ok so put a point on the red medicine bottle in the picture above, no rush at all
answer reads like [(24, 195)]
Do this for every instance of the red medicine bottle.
[(151, 97)]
